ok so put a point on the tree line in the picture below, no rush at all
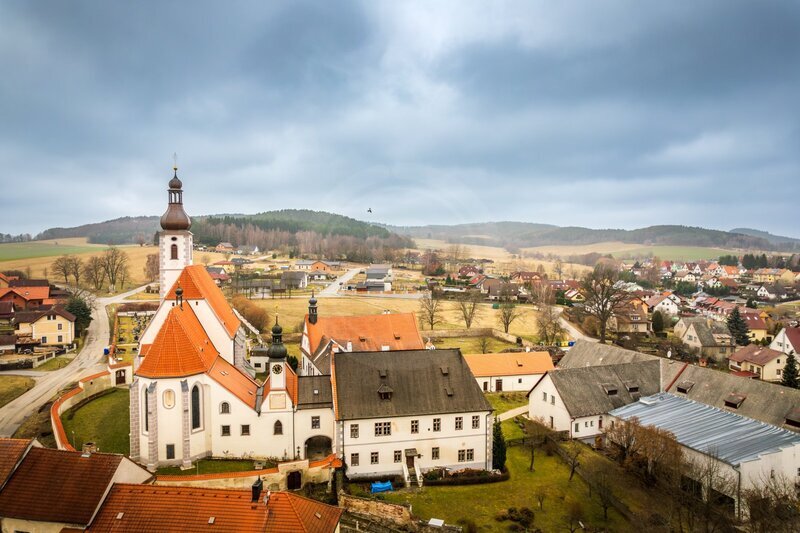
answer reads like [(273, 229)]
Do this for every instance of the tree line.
[(111, 266)]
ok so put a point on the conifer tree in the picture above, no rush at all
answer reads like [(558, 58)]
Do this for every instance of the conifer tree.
[(738, 328), (498, 447), (789, 376), (658, 322)]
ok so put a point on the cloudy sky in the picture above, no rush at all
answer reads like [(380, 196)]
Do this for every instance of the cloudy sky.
[(603, 114)]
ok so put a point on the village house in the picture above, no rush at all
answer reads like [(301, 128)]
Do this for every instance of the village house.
[(53, 326), (31, 294), (772, 275), (468, 271), (758, 361), (787, 341), (225, 248), (747, 453), (77, 483), (403, 413), (631, 317), (667, 303), (495, 289), (317, 265), (708, 337), (578, 400), (292, 279), (509, 372)]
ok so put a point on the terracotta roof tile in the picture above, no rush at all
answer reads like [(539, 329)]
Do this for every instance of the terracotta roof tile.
[(181, 347), (197, 284), (74, 486), (753, 353), (234, 380), (11, 452), (368, 333), (167, 509), (28, 293), (509, 364)]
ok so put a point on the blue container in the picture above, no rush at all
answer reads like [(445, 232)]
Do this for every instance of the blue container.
[(105, 351), (381, 487)]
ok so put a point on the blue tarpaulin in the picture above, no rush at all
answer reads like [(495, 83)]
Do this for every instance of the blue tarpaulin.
[(381, 487)]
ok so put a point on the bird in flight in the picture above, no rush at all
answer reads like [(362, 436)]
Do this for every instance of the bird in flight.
[(369, 210)]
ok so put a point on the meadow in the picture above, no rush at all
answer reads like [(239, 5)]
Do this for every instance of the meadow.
[(622, 250), (28, 250)]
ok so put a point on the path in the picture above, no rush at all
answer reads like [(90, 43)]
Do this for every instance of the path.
[(511, 413), (332, 290), (89, 361), (574, 332)]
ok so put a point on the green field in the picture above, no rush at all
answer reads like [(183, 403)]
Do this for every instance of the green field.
[(674, 253), (104, 420), (12, 387), (27, 250)]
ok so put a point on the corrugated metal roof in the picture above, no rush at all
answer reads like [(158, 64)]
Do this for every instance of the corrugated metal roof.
[(732, 438)]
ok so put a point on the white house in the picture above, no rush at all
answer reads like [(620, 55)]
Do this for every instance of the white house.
[(509, 372), (787, 341), (748, 453), (577, 400), (668, 303), (407, 412)]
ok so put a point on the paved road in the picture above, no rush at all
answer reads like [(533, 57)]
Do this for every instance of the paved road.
[(574, 332), (511, 413), (89, 361), (332, 290)]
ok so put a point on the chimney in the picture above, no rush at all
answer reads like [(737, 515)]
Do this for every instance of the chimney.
[(258, 486)]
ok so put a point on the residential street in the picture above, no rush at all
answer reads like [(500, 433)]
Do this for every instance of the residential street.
[(574, 332), (332, 290), (88, 361)]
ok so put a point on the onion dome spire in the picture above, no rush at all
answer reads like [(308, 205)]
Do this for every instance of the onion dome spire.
[(175, 218)]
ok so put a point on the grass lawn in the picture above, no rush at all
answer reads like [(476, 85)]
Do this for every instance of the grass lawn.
[(27, 250), (511, 429), (208, 466), (472, 344), (505, 401), (12, 387), (104, 421), (56, 363), (292, 310), (481, 503)]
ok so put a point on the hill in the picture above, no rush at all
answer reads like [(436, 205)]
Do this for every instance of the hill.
[(777, 240), (514, 235)]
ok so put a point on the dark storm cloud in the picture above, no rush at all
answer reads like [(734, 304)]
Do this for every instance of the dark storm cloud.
[(609, 114)]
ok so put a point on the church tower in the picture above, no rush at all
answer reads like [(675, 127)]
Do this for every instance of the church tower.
[(175, 241), (277, 358)]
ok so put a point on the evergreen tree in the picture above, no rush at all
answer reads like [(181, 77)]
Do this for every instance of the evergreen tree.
[(738, 328), (498, 447), (751, 303), (789, 375), (82, 311), (658, 322)]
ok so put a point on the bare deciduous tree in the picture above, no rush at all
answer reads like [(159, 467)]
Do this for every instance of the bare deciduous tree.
[(469, 305), (603, 298), (114, 262), (508, 309), (601, 474), (430, 310), (573, 453), (61, 267), (151, 267), (558, 268), (483, 344), (76, 268), (93, 271)]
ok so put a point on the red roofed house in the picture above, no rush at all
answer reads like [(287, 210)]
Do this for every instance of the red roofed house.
[(760, 361), (46, 490), (787, 341), (504, 372)]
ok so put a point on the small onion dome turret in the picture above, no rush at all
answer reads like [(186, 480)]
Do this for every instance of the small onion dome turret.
[(175, 218), (277, 350)]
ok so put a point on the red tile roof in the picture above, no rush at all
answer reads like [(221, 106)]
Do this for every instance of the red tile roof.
[(197, 284), (188, 509), (793, 335), (509, 364), (368, 333), (181, 347), (753, 353), (235, 381), (11, 452), (27, 293), (58, 486)]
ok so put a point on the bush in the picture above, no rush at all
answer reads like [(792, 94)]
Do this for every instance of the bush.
[(469, 477)]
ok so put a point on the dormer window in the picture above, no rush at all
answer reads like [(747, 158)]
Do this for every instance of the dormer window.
[(685, 386), (734, 401), (385, 392), (610, 389), (445, 370)]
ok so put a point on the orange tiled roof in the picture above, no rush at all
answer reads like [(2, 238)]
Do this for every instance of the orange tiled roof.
[(181, 348), (509, 364), (235, 381), (58, 486), (197, 284), (368, 333), (11, 452), (190, 509), (27, 293)]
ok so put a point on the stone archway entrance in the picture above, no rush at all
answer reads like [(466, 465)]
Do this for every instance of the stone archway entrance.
[(318, 447), (294, 480)]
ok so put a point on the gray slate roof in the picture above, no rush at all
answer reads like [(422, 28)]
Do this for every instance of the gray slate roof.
[(732, 438), (764, 401), (585, 391), (706, 329), (307, 398), (420, 381), (585, 353)]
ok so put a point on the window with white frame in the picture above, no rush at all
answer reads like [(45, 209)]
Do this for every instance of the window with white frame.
[(314, 422), (353, 459), (383, 429), (415, 426), (437, 424), (353, 431), (435, 456), (459, 423), (476, 421), (398, 456), (373, 458)]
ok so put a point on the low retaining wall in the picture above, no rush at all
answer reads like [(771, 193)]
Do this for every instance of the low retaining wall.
[(274, 478), (473, 332), (87, 387), (397, 514)]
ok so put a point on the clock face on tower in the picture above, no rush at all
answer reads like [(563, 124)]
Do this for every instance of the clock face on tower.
[(277, 369)]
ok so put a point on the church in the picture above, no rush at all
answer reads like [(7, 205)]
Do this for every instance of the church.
[(383, 406)]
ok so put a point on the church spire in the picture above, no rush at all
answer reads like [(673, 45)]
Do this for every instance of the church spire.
[(175, 218)]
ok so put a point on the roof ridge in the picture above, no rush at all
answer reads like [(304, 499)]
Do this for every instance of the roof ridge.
[(296, 513)]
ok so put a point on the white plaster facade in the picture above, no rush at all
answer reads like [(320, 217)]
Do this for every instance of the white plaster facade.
[(545, 403)]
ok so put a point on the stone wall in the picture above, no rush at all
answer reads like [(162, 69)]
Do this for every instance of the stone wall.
[(87, 387), (397, 514)]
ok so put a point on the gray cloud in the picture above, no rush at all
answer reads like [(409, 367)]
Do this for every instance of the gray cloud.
[(609, 114)]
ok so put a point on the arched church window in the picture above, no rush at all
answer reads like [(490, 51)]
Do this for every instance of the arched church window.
[(196, 407), (168, 398), (146, 409), (278, 428), (174, 251), (225, 408)]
